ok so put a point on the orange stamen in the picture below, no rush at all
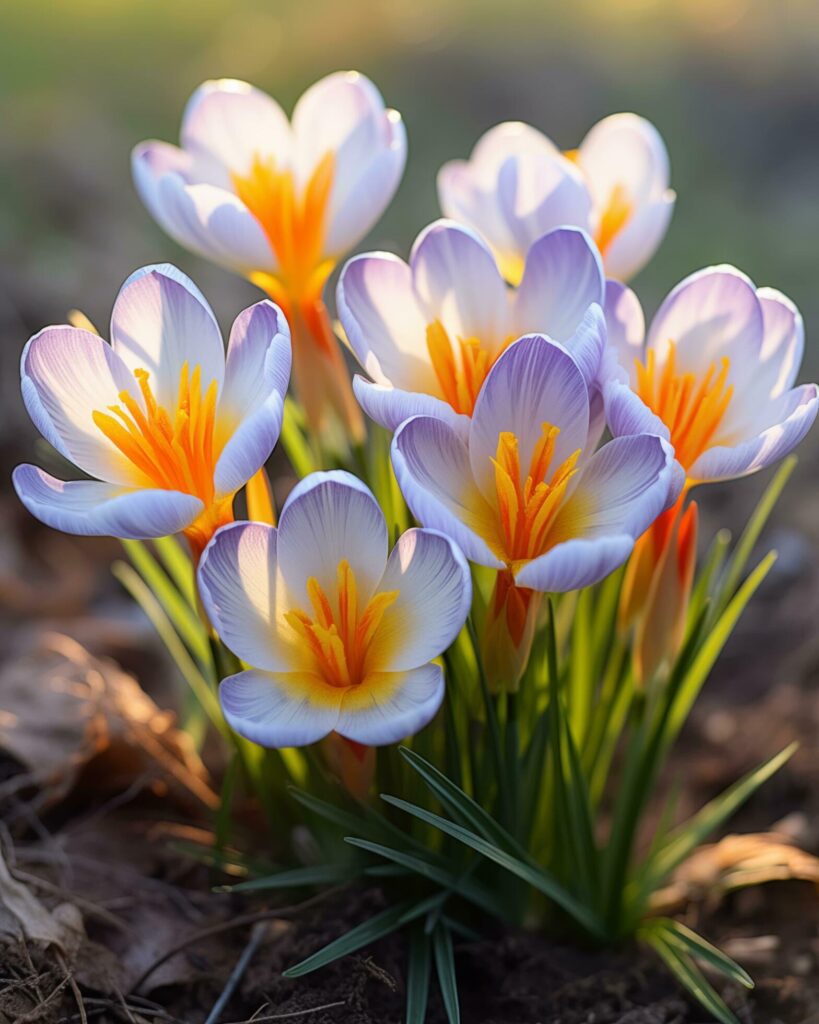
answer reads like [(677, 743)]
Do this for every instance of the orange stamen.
[(462, 368), (613, 219), (527, 508), (691, 408), (338, 639)]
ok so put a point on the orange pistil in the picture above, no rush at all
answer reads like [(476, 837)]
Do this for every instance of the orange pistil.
[(461, 369), (339, 638), (175, 452), (528, 507), (692, 410), (613, 219)]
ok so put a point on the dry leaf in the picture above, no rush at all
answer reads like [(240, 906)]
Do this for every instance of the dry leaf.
[(71, 719), (23, 916)]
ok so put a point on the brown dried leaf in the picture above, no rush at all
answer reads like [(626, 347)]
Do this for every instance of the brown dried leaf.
[(73, 720), (23, 916)]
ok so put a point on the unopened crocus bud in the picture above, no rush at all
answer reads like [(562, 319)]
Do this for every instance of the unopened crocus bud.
[(508, 633)]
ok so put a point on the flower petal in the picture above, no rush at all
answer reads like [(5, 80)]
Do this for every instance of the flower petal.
[(245, 598), (251, 405), (391, 706), (634, 245), (329, 517), (434, 595), (94, 509), (625, 150), (149, 162), (784, 339), (625, 324), (457, 282), (431, 464), (390, 406), (575, 564), (280, 709), (789, 418), (563, 277), (159, 322), (232, 123), (67, 374), (383, 322), (534, 382)]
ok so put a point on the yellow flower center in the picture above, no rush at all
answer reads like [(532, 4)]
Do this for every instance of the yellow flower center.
[(294, 221), (691, 407), (527, 507), (339, 637), (461, 369)]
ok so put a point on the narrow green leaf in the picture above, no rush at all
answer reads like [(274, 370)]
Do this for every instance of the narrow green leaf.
[(536, 877), (445, 969), (223, 814), (711, 568), (687, 941), (294, 878), (178, 565), (294, 443), (418, 972), (362, 935), (690, 977), (369, 823)]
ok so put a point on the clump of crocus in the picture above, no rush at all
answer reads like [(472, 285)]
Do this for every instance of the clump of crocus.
[(517, 185), (341, 635), (521, 488), (170, 427), (280, 202), (429, 332)]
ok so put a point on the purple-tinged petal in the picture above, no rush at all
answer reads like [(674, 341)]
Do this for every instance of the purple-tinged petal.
[(784, 339), (244, 596), (588, 344), (575, 564), (634, 245), (625, 324), (391, 406), (280, 709), (434, 595), (94, 509), (251, 405), (562, 278), (431, 464), (329, 517), (149, 162), (391, 706)]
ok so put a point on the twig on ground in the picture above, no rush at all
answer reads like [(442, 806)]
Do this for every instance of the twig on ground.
[(257, 935), (75, 989), (291, 1013)]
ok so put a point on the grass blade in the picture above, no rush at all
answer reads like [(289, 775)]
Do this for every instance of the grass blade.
[(418, 972), (690, 977), (688, 942), (296, 878), (445, 969)]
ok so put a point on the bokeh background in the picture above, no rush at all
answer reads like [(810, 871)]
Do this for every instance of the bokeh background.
[(733, 85)]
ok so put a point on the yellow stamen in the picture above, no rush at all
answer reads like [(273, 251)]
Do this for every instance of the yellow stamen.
[(338, 639), (461, 369), (527, 508), (616, 214), (691, 408), (294, 221)]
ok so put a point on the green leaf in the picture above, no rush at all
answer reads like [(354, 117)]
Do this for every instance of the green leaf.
[(690, 977), (178, 565), (426, 868), (369, 823), (362, 935), (418, 972), (445, 969), (685, 839), (687, 941), (295, 878), (293, 441), (536, 877)]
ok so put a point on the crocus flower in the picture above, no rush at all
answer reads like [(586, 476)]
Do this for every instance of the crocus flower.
[(340, 635), (281, 201), (169, 426), (428, 332), (517, 185), (714, 374), (521, 489)]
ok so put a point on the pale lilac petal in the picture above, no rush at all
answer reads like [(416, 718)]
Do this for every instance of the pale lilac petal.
[(159, 322), (434, 595), (789, 418), (457, 282), (214, 223), (244, 595), (280, 709), (68, 374), (575, 564), (94, 509), (431, 464), (383, 322), (232, 123), (784, 339), (713, 313), (626, 412), (392, 706), (563, 277), (390, 406), (251, 405), (464, 198), (625, 150), (637, 241), (625, 324), (588, 344), (330, 517), (149, 162), (534, 382)]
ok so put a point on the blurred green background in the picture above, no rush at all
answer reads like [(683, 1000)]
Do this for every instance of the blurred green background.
[(733, 85)]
